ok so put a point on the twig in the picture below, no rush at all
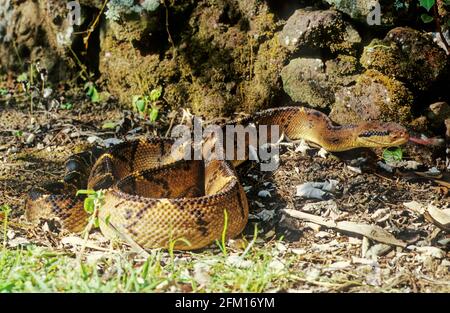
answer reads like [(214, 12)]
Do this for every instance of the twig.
[(168, 32), (437, 17), (373, 232), (92, 26)]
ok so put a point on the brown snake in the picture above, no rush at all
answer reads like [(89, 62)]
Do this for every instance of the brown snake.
[(154, 199)]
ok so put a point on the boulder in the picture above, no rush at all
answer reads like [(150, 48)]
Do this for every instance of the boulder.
[(342, 70), (407, 55), (318, 29), (224, 57), (374, 97), (361, 9), (305, 80), (312, 81)]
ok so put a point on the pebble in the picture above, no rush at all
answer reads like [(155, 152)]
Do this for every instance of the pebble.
[(338, 266), (92, 139), (385, 167), (355, 169)]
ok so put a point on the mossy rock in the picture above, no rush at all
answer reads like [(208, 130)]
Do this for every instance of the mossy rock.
[(305, 81), (374, 97), (408, 55), (224, 59), (360, 9), (325, 29)]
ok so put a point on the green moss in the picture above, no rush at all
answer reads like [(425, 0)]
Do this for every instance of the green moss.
[(400, 99), (382, 56), (374, 97), (216, 67), (407, 55), (256, 93)]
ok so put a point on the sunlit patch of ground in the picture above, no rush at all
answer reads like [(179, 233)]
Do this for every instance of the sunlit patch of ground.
[(286, 255)]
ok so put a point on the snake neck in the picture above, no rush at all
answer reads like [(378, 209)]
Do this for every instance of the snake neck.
[(303, 123), (295, 123)]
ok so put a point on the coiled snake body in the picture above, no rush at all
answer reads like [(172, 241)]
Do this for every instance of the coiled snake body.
[(155, 199)]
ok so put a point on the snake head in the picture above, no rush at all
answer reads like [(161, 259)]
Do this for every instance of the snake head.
[(373, 135)]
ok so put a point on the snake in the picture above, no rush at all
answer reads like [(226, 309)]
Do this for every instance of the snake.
[(157, 200)]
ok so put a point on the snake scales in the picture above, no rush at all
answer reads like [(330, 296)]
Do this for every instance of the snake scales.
[(154, 199)]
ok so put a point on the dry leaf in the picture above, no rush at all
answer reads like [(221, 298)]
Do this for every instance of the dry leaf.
[(438, 217)]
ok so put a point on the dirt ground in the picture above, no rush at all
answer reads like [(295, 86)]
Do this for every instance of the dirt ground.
[(373, 196)]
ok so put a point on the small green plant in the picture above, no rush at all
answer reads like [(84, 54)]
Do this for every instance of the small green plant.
[(427, 4), (18, 133), (393, 155), (66, 106), (92, 92), (109, 125), (429, 17), (147, 104), (22, 78), (92, 204), (171, 249), (222, 244), (3, 92)]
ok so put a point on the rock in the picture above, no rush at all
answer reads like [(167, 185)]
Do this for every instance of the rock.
[(373, 97), (19, 26), (304, 80), (438, 112), (310, 81), (434, 252), (258, 92), (6, 12), (226, 58), (360, 9), (342, 70), (419, 124), (23, 40), (59, 28), (408, 55), (318, 29)]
